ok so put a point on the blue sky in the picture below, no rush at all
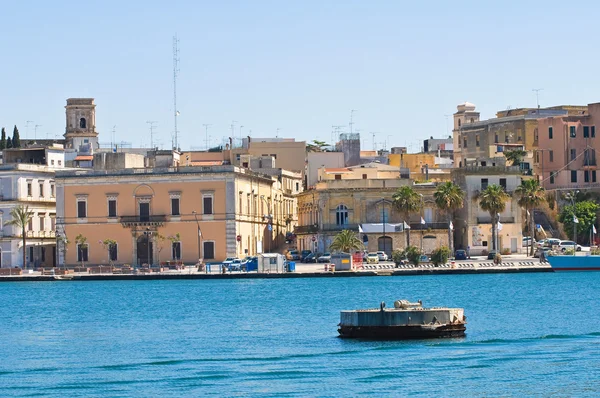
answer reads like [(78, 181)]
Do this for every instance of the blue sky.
[(300, 67)]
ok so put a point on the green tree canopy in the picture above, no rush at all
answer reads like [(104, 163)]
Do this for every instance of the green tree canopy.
[(531, 195), (316, 146), (346, 241), (20, 217), (493, 200), (3, 139), (16, 139), (449, 197), (406, 200), (8, 143), (515, 157), (585, 212)]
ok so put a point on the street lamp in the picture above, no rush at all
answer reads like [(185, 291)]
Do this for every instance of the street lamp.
[(199, 236)]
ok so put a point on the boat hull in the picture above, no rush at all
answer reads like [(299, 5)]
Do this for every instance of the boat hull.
[(574, 263), (404, 332)]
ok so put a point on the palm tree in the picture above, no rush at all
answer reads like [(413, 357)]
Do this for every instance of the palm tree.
[(21, 215), (531, 195), (449, 197), (346, 241), (406, 201), (493, 200)]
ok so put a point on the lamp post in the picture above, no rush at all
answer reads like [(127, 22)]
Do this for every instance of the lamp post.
[(199, 236)]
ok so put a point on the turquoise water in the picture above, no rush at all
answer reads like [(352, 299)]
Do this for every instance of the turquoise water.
[(528, 334)]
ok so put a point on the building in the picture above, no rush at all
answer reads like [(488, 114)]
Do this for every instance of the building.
[(438, 145), (346, 198), (483, 142), (318, 160), (567, 146), (174, 213), (423, 166), (288, 153), (27, 179), (473, 226)]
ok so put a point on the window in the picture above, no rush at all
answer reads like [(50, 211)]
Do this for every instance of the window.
[(82, 123), (175, 206), (535, 134), (586, 131), (297, 186), (41, 189), (550, 134), (338, 176), (42, 223), (52, 189), (30, 253), (593, 175), (30, 224), (207, 204), (519, 136), (496, 138), (503, 183), (52, 162), (364, 176), (52, 222), (208, 250), (112, 208), (551, 155), (144, 209), (537, 157), (484, 183), (43, 253), (82, 252), (81, 209), (573, 154), (60, 162), (572, 131), (573, 175), (593, 131), (477, 140), (586, 176), (385, 214), (465, 142), (506, 137), (175, 250), (341, 215), (552, 174), (29, 188), (113, 252), (458, 122)]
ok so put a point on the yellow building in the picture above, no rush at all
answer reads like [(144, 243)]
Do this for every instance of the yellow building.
[(423, 166), (155, 215), (349, 200)]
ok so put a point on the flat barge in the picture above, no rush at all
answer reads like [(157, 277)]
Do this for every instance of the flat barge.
[(403, 322)]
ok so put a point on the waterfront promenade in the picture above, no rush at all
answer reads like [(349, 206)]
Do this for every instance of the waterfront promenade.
[(515, 264)]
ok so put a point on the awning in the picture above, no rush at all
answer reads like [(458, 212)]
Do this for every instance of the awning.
[(84, 157), (378, 228)]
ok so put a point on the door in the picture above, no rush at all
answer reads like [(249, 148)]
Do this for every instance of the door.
[(144, 212), (385, 244), (144, 250), (513, 245)]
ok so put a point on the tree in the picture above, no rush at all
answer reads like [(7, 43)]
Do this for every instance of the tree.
[(108, 245), (160, 245), (81, 241), (316, 146), (440, 256), (412, 254), (531, 195), (3, 139), (407, 201), (175, 238), (585, 212), (346, 241), (493, 200), (449, 197), (63, 243), (9, 143), (20, 217), (16, 139), (515, 157)]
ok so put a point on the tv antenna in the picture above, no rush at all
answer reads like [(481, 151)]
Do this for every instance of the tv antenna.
[(233, 122), (537, 96), (27, 123), (373, 134), (206, 126), (277, 132), (35, 131), (335, 134), (151, 123), (175, 74), (352, 119)]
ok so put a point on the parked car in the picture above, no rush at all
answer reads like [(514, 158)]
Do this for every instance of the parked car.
[(568, 244), (382, 256), (293, 255), (528, 242), (549, 242), (423, 258), (229, 260), (539, 250), (311, 258), (303, 254), (460, 255), (236, 265), (325, 258), (373, 258), (492, 254)]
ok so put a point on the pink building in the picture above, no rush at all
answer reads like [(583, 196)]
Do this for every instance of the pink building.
[(566, 152)]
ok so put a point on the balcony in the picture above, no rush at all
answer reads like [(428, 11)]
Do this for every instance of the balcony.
[(143, 221), (306, 229), (589, 164), (488, 220), (40, 234), (429, 225), (339, 227)]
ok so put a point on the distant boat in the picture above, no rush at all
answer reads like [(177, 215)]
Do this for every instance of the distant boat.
[(63, 277), (405, 321), (586, 262)]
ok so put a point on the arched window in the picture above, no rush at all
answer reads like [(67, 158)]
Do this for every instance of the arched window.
[(472, 120), (341, 215), (82, 123), (385, 214), (458, 122)]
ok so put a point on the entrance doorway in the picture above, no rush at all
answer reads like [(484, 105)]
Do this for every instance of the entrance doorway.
[(144, 250), (384, 243)]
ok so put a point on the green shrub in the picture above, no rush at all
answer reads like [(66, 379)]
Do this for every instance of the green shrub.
[(595, 251), (506, 251), (440, 256), (498, 259), (412, 253), (398, 256), (569, 252)]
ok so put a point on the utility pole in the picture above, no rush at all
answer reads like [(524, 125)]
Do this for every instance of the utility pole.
[(206, 126), (537, 96), (151, 123)]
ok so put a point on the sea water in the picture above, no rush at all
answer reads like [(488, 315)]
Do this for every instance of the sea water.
[(527, 334)]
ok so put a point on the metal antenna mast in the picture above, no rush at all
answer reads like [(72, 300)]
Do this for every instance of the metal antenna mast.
[(335, 134), (233, 122), (373, 135), (206, 126), (175, 74), (352, 119), (537, 96), (277, 133), (151, 123), (35, 131), (113, 137)]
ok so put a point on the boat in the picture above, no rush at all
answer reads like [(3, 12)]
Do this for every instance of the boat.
[(405, 321), (585, 262), (63, 277)]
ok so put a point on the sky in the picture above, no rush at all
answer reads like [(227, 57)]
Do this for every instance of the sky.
[(291, 69)]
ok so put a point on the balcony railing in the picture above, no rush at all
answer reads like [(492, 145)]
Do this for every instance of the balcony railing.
[(488, 220), (132, 221), (429, 225), (40, 234), (306, 229), (340, 227)]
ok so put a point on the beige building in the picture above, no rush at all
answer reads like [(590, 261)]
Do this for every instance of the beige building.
[(155, 214), (288, 153), (347, 198), (423, 166)]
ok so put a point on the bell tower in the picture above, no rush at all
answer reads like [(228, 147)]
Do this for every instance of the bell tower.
[(80, 131)]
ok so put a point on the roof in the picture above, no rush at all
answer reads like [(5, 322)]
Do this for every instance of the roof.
[(206, 163), (338, 170), (84, 157)]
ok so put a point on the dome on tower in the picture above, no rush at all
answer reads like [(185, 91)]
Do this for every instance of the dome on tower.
[(466, 107)]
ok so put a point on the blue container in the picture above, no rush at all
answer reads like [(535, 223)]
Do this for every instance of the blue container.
[(291, 266)]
